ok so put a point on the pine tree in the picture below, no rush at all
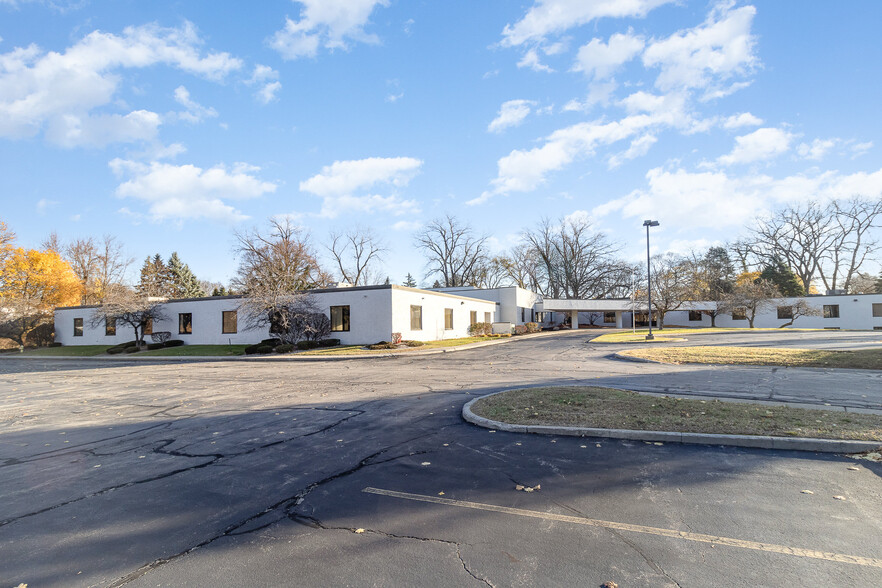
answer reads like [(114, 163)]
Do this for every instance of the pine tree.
[(783, 277), (183, 282), (387, 282), (409, 281), (155, 279), (221, 291)]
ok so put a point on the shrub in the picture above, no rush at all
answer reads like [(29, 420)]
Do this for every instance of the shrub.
[(173, 343), (396, 338), (304, 345), (251, 349), (382, 345), (264, 349), (54, 344), (160, 336), (153, 346), (134, 349), (329, 342), (115, 350), (520, 330), (480, 329), (274, 342), (284, 348), (414, 343), (128, 344), (532, 327)]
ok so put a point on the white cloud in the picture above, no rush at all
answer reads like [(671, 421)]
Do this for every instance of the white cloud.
[(511, 114), (188, 192), (407, 225), (599, 60), (762, 144), (713, 199), (638, 148), (195, 113), (555, 16), (325, 23), (59, 92), (268, 81), (859, 149), (706, 55), (267, 92), (337, 184), (531, 60), (817, 149), (743, 119), (44, 205), (393, 98)]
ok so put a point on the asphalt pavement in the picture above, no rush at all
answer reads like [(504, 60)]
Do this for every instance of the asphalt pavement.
[(362, 473)]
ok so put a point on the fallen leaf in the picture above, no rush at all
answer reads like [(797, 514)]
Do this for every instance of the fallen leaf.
[(519, 487), (583, 446), (441, 493), (657, 443), (597, 445), (528, 489), (854, 469), (359, 531), (839, 497), (425, 463), (609, 584), (807, 492)]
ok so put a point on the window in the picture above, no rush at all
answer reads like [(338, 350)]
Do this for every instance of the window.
[(609, 317), (473, 317), (448, 319), (416, 318), (523, 315), (785, 312), (340, 318), (230, 322), (739, 314), (694, 315), (831, 311), (109, 326), (78, 327), (877, 309), (185, 323), (487, 318), (148, 327)]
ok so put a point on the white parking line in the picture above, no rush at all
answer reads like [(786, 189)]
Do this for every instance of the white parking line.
[(713, 539)]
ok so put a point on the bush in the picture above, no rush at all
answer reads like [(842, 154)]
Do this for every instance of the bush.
[(520, 330), (54, 344), (329, 342), (480, 329), (115, 350), (381, 345), (414, 343), (128, 344), (284, 348), (154, 346), (134, 349), (396, 338), (251, 349), (304, 345), (532, 327), (173, 343), (274, 342), (264, 349)]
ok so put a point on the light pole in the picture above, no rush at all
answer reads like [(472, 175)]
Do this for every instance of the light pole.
[(647, 224)]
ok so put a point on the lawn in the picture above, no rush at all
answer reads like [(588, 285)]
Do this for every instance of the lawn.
[(589, 406), (361, 349), (640, 335), (864, 359), (194, 351)]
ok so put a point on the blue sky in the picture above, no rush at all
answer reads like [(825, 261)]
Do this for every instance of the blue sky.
[(173, 124)]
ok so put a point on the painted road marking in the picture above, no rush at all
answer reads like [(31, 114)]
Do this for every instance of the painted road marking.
[(713, 539)]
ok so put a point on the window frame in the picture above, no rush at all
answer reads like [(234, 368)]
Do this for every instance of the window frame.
[(785, 313), (147, 327), (448, 319), (488, 317), (695, 313), (607, 315), (78, 326), (739, 314), (877, 309), (473, 317), (109, 326), (181, 323), (224, 314), (344, 318), (416, 311), (831, 311)]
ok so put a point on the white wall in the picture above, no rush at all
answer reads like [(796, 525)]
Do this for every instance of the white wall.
[(433, 305)]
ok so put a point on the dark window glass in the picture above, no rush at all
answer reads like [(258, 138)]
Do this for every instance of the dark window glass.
[(739, 314), (785, 312), (473, 317), (416, 318), (78, 327), (230, 319), (185, 323), (831, 311), (448, 318), (340, 318), (523, 315), (694, 315), (877, 309), (148, 327), (109, 326), (609, 317)]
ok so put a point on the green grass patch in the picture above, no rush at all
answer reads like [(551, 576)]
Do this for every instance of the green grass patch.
[(194, 351), (70, 351), (362, 350), (862, 359), (589, 406)]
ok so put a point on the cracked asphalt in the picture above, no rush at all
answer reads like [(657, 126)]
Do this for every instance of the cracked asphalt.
[(251, 473)]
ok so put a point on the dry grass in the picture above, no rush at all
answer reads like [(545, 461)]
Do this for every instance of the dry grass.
[(640, 335), (362, 350), (589, 406), (864, 359)]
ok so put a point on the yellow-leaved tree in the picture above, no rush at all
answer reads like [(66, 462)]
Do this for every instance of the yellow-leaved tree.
[(32, 284)]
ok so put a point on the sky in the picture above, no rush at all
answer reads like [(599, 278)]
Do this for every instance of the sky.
[(173, 124)]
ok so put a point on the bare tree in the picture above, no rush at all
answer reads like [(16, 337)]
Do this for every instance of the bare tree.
[(291, 317), (494, 273), (749, 297), (850, 242), (123, 305), (453, 251), (98, 264), (112, 263), (709, 276), (799, 308), (670, 284), (356, 252)]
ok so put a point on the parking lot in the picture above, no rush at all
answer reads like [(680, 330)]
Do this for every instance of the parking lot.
[(361, 472)]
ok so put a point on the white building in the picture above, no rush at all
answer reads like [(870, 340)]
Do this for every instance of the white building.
[(369, 314)]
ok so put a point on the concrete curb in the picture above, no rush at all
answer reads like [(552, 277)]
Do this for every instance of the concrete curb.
[(752, 441), (297, 357)]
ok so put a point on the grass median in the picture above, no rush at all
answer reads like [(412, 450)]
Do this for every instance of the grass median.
[(363, 350), (862, 359), (659, 334), (606, 408)]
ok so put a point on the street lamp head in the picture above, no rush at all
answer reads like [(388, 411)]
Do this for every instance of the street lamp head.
[(650, 223)]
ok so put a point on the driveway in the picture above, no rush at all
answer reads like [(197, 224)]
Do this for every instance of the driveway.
[(362, 473)]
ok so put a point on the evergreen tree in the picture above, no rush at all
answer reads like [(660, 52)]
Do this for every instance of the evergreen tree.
[(155, 278), (409, 281), (387, 282), (879, 284), (783, 277), (183, 282), (221, 291)]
